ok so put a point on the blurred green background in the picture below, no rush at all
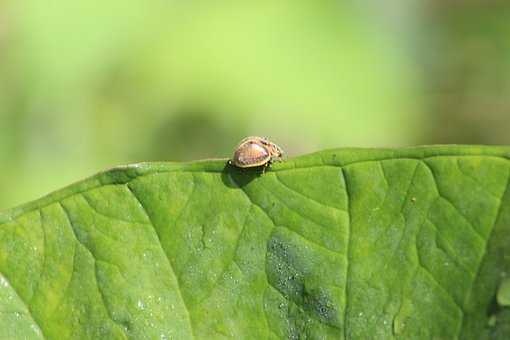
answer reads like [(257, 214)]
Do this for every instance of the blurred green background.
[(88, 84)]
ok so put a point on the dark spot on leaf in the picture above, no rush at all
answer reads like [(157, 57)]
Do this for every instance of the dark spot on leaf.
[(318, 301), (290, 275)]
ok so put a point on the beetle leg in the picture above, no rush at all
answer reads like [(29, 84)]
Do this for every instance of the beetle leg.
[(264, 167)]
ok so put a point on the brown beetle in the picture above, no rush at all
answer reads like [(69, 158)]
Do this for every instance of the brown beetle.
[(256, 151)]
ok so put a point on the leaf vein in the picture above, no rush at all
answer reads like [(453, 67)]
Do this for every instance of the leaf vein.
[(446, 199), (96, 279), (307, 197), (347, 251), (188, 316), (29, 310), (479, 266)]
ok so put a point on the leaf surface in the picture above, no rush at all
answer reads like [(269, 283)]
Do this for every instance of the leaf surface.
[(341, 244)]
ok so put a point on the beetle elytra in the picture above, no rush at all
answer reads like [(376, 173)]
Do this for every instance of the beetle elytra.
[(256, 151)]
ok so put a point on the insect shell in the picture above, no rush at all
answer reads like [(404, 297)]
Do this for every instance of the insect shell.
[(254, 152)]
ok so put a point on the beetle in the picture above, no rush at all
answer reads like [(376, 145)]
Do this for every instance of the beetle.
[(256, 151)]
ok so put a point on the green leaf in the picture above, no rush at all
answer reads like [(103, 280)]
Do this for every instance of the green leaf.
[(341, 244), (504, 293)]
